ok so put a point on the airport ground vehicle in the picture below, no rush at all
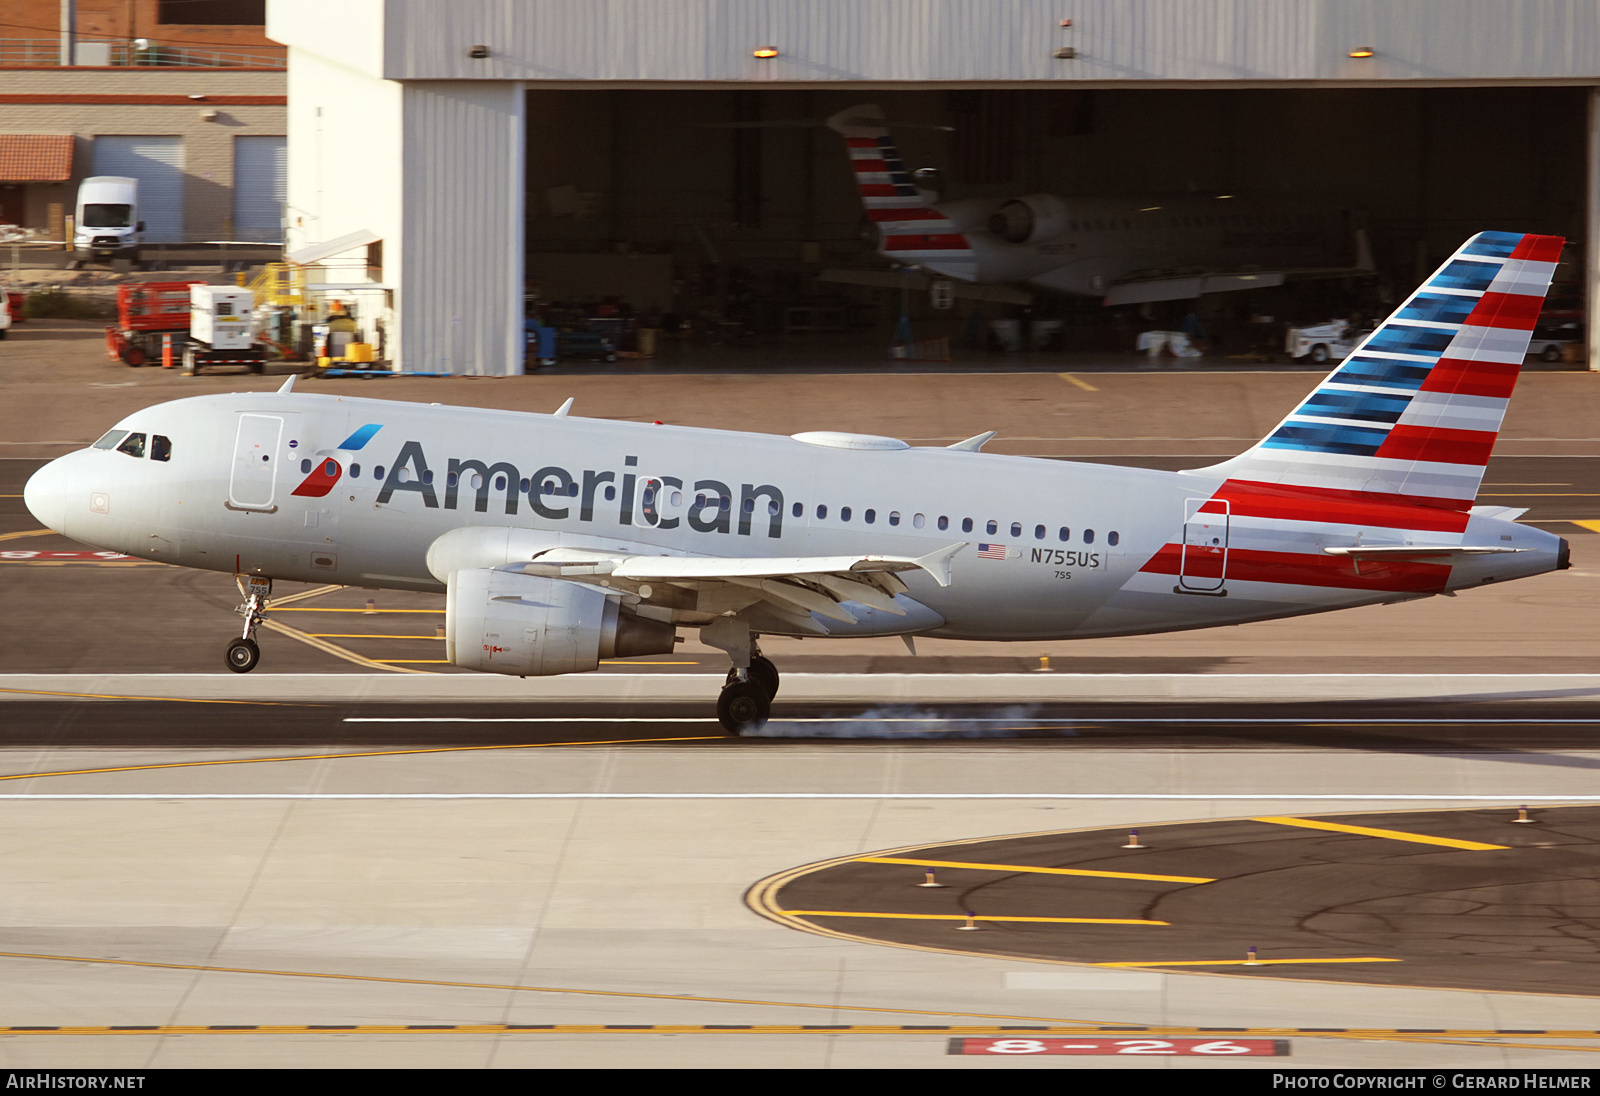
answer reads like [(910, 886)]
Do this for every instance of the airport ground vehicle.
[(107, 219), (1323, 342), (198, 324), (147, 315), (1551, 339), (220, 329), (560, 541)]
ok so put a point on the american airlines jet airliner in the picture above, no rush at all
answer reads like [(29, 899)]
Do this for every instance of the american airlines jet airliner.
[(560, 540)]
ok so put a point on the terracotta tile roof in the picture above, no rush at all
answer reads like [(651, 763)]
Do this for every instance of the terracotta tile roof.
[(35, 157)]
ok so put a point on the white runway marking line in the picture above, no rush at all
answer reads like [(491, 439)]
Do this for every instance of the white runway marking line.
[(1309, 722), (1285, 797)]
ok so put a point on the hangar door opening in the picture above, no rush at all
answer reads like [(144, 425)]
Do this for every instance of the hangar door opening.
[(737, 215)]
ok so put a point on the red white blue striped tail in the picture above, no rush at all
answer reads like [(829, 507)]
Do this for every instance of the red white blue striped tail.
[(910, 230), (1415, 409)]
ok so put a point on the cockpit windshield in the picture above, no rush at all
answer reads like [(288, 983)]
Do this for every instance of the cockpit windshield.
[(133, 445), (110, 439)]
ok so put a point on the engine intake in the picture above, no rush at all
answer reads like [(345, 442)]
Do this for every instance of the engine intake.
[(505, 623), (1029, 220)]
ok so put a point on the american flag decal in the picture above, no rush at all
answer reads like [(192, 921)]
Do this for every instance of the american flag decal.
[(991, 551)]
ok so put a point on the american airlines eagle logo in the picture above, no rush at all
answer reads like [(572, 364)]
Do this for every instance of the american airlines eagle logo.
[(327, 471)]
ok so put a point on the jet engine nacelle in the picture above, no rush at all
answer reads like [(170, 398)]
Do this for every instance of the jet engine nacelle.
[(1030, 219), (506, 623)]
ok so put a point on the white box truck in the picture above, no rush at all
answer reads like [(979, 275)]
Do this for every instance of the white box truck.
[(106, 219)]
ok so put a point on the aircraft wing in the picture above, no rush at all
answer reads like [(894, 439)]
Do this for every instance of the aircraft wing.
[(1137, 289), (792, 587)]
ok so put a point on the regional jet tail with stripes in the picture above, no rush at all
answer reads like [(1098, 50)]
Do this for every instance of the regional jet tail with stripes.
[(1125, 250), (559, 541)]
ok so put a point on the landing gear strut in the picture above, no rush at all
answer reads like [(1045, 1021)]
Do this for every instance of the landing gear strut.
[(746, 699), (762, 672), (243, 653)]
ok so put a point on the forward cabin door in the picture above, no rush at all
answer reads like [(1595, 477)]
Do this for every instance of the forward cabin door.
[(257, 447), (1203, 566)]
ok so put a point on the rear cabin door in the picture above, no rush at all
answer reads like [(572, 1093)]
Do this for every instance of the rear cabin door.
[(1203, 567)]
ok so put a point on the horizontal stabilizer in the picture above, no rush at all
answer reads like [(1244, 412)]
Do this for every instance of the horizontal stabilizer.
[(1419, 551)]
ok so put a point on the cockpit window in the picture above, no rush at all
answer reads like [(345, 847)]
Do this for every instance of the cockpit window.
[(133, 445), (109, 441), (160, 447)]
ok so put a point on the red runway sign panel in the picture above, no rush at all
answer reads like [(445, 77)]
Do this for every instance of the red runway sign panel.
[(1204, 1048)]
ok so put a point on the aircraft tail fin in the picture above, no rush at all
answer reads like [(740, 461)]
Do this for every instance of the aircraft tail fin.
[(910, 230), (1415, 409)]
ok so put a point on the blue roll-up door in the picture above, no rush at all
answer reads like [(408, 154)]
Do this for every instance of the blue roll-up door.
[(157, 162), (260, 182)]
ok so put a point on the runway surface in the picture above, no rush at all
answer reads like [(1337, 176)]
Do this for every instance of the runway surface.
[(406, 867)]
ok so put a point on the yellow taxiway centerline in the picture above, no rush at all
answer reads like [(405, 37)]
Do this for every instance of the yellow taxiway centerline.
[(1041, 871), (1070, 379), (1390, 835), (1244, 962), (963, 917), (503, 986), (367, 753)]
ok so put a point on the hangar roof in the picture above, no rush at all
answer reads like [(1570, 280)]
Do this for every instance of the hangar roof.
[(845, 43)]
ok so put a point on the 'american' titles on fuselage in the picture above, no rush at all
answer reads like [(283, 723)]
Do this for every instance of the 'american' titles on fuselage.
[(411, 472)]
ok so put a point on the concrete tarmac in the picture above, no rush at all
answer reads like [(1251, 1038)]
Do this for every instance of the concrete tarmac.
[(231, 873)]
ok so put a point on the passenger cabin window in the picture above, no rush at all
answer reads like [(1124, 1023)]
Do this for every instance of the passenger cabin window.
[(844, 513), (133, 445), (966, 525), (894, 517), (1112, 538), (870, 516), (992, 528), (110, 439), (1016, 528), (160, 447)]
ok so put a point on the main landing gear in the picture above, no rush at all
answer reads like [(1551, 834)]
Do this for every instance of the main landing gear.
[(746, 700), (243, 653)]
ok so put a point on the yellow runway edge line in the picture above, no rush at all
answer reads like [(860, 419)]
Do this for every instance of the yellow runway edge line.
[(1391, 835), (1040, 871)]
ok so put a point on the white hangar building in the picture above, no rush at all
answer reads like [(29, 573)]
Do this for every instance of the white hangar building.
[(447, 158)]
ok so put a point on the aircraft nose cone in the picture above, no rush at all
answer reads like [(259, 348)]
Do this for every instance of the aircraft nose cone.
[(46, 495)]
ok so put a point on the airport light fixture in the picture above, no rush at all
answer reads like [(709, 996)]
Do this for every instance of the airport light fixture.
[(765, 53), (1362, 51)]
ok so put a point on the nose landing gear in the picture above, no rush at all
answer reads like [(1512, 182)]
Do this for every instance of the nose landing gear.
[(243, 653)]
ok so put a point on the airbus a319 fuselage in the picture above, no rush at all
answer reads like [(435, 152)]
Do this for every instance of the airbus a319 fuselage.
[(560, 540)]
